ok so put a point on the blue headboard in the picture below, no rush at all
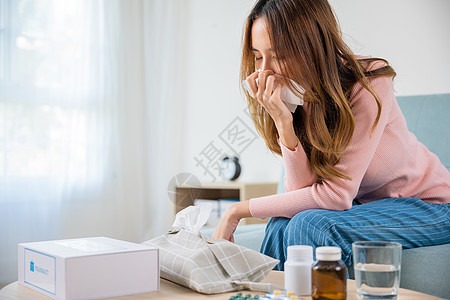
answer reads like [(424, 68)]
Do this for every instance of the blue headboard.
[(428, 117)]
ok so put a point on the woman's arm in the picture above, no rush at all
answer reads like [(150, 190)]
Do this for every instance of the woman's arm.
[(296, 163), (337, 193), (230, 220), (298, 173), (287, 134)]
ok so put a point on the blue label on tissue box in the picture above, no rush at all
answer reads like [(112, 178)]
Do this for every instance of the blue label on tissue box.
[(40, 270)]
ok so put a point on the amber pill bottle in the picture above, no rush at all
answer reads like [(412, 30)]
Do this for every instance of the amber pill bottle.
[(328, 275)]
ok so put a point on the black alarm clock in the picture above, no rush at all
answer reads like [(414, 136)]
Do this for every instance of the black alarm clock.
[(230, 169)]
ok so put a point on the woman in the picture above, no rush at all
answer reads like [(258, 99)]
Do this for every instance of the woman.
[(353, 171)]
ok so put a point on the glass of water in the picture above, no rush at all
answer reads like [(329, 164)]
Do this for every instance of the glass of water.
[(377, 269)]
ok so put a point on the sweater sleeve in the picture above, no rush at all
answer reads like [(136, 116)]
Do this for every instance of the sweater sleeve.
[(298, 173), (337, 193)]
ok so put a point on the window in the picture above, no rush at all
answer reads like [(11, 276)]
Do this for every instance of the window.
[(47, 107)]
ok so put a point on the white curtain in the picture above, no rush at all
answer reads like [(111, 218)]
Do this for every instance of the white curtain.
[(90, 108)]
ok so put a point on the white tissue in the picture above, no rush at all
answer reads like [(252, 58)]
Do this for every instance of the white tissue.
[(287, 96), (192, 218)]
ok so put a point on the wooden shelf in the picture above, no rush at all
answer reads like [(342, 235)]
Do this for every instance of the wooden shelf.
[(186, 194)]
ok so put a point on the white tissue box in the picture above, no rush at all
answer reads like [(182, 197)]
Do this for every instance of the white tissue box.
[(88, 268)]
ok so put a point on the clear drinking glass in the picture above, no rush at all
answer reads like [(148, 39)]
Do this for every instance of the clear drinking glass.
[(377, 269)]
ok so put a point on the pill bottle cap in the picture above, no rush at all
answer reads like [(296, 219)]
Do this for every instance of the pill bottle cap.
[(300, 252), (328, 253)]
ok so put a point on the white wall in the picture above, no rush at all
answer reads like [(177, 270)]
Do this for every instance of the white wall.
[(213, 98), (414, 35)]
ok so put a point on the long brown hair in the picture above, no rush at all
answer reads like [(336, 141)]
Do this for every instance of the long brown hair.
[(307, 41)]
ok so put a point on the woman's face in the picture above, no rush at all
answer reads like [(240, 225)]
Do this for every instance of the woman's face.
[(265, 58)]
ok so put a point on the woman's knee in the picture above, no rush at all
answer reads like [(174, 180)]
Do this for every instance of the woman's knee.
[(276, 225), (319, 218), (309, 227), (273, 238)]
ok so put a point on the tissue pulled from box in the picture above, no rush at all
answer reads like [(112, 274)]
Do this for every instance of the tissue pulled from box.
[(192, 218)]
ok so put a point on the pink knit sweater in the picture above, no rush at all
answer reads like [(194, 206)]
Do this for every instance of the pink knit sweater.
[(390, 162)]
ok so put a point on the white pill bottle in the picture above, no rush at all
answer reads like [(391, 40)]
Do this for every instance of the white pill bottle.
[(297, 270)]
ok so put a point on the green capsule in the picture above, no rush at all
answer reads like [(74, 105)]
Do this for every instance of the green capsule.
[(256, 297), (239, 295), (232, 298)]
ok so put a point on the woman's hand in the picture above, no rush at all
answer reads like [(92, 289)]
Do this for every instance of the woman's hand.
[(230, 220), (268, 91)]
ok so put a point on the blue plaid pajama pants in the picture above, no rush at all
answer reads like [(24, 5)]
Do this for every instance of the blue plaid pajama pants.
[(409, 221)]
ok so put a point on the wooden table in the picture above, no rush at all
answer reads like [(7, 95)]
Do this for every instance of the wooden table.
[(174, 291)]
